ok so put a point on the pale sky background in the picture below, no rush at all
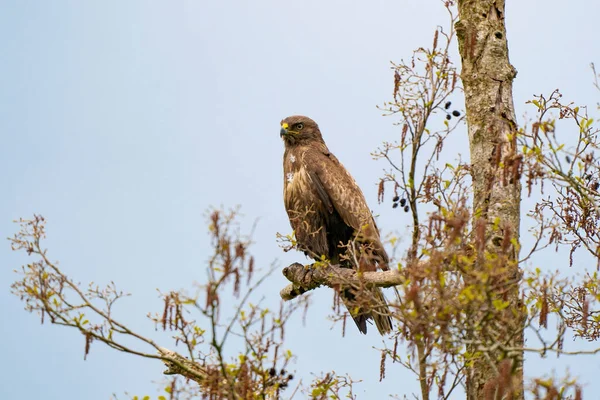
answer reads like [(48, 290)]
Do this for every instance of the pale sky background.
[(123, 121)]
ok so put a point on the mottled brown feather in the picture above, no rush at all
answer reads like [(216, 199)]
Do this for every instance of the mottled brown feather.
[(327, 209), (348, 200)]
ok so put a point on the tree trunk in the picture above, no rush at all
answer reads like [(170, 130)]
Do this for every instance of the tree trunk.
[(487, 76)]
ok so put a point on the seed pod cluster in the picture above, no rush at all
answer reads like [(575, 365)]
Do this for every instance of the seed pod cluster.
[(449, 114), (397, 201)]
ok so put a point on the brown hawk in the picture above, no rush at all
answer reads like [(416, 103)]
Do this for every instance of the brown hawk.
[(330, 216)]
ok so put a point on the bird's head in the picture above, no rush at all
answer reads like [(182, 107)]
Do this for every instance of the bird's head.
[(299, 129)]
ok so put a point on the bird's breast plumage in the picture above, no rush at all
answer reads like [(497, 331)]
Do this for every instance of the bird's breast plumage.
[(296, 184), (304, 207)]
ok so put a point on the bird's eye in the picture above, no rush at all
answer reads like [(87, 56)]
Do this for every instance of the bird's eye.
[(300, 126)]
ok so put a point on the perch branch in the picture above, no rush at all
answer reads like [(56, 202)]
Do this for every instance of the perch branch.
[(306, 278)]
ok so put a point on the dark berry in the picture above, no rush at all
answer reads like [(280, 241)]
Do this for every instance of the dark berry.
[(395, 205), (456, 113), (272, 372), (396, 198), (448, 117), (447, 105), (290, 377), (568, 159), (402, 202), (406, 209)]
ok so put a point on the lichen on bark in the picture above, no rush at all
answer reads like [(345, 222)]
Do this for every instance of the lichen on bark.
[(487, 77)]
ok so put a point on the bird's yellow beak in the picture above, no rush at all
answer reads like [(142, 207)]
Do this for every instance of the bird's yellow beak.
[(284, 129)]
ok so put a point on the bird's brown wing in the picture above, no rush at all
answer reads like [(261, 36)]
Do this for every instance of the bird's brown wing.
[(337, 187), (320, 189)]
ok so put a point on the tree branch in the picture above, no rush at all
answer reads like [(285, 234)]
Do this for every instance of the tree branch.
[(179, 365), (306, 278)]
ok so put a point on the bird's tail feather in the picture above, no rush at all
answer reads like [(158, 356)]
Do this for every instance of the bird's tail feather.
[(381, 312), (377, 310)]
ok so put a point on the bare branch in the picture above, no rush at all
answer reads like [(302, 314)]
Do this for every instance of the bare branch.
[(179, 365), (307, 278)]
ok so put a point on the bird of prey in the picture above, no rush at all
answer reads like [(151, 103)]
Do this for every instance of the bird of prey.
[(330, 216)]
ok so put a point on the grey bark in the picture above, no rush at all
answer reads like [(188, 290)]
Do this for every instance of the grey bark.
[(178, 365), (487, 77), (306, 278)]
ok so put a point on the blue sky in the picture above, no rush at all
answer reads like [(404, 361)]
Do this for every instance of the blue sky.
[(123, 121)]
